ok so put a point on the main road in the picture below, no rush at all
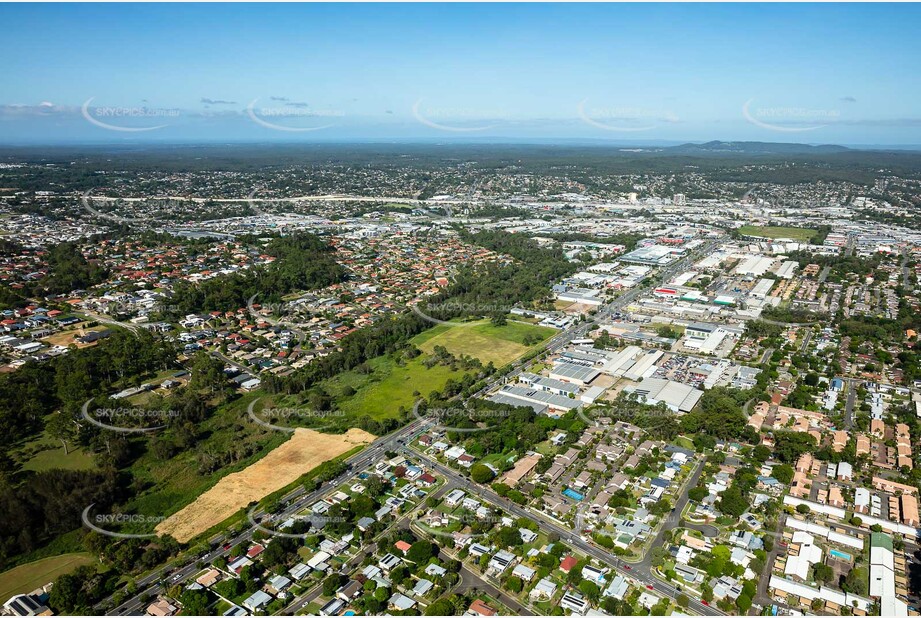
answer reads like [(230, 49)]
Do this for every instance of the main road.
[(155, 582), (638, 573)]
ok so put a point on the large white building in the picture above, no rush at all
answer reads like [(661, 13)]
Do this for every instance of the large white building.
[(882, 576)]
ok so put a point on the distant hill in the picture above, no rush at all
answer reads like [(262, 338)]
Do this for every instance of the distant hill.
[(719, 147)]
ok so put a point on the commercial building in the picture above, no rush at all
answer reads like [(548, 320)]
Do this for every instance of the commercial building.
[(677, 396)]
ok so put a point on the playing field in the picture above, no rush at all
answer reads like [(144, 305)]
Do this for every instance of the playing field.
[(793, 233), (28, 577), (304, 451), (484, 341)]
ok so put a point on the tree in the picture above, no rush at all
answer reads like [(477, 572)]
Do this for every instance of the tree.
[(744, 603), (856, 581), (441, 607), (590, 590), (62, 427), (783, 473), (658, 556), (195, 602), (514, 584), (508, 537), (822, 572), (789, 445), (732, 502), (481, 474), (421, 551), (331, 584)]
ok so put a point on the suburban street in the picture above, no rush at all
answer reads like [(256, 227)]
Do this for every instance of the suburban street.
[(153, 583), (639, 573)]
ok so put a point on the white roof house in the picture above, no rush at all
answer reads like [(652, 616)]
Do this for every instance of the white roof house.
[(526, 573), (544, 589), (809, 554)]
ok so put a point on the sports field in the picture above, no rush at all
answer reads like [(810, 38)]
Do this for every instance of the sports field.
[(798, 234), (28, 577), (485, 341)]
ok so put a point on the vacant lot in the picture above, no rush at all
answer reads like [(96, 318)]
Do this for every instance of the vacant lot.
[(306, 450), (484, 341), (798, 234), (28, 577), (69, 337), (381, 393)]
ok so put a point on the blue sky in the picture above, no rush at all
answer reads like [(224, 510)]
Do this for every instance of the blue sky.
[(815, 73)]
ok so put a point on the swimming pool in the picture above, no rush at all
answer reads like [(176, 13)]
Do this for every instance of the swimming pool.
[(840, 554), (573, 494)]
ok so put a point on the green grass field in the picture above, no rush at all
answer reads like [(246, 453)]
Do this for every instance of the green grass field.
[(45, 453), (484, 341), (28, 577), (381, 393), (794, 233)]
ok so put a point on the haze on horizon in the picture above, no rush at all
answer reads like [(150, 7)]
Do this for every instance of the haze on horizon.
[(641, 74)]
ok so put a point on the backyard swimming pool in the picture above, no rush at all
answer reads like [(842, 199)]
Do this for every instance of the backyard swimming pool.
[(840, 554), (573, 494)]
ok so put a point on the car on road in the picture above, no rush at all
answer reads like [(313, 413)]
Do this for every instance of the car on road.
[(650, 586), (628, 567), (706, 603), (227, 546)]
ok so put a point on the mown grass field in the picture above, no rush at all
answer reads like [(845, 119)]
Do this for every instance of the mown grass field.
[(28, 577), (798, 234), (483, 340)]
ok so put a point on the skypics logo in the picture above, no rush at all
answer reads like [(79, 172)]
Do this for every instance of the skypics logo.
[(446, 419), (279, 118), (458, 119), (789, 119), (476, 527), (591, 415), (87, 201), (117, 419), (316, 522), (253, 204), (469, 309), (104, 117), (624, 119), (96, 523), (284, 313), (286, 415)]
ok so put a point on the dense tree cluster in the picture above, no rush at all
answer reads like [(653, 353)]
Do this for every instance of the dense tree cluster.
[(48, 506), (67, 382)]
